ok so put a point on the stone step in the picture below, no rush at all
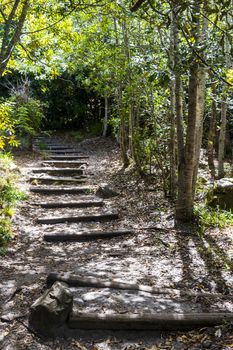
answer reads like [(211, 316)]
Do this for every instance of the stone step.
[(55, 190), (76, 204), (79, 218), (84, 236)]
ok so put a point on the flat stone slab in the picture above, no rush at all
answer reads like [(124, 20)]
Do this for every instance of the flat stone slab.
[(69, 171), (84, 236), (55, 190), (78, 204), (80, 218)]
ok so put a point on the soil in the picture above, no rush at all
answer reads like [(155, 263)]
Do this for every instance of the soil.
[(158, 257)]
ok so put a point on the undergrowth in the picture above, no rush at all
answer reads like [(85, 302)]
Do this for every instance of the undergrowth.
[(9, 195), (207, 218)]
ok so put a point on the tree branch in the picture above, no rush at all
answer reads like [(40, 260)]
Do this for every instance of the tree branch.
[(59, 20), (137, 5)]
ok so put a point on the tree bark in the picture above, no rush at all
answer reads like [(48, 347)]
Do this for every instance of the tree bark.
[(105, 124), (84, 236), (188, 166), (212, 134), (158, 321), (224, 106), (79, 281), (172, 145), (81, 218), (8, 44), (222, 138)]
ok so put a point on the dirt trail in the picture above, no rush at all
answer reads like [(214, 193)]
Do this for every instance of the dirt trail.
[(158, 258)]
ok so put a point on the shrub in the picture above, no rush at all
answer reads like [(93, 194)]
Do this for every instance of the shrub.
[(9, 195), (19, 118), (209, 218)]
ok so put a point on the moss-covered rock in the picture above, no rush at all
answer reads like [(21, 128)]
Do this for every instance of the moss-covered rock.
[(221, 194)]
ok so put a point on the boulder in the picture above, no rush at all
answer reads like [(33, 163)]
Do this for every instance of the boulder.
[(50, 312), (104, 191), (221, 194)]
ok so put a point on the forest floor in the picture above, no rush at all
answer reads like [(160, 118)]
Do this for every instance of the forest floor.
[(162, 258)]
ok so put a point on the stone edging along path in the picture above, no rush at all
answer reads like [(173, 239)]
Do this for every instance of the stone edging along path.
[(56, 308)]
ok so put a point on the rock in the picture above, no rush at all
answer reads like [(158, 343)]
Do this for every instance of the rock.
[(105, 192), (221, 194), (207, 344), (51, 310)]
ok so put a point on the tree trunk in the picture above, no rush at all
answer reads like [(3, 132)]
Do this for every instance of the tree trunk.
[(105, 124), (188, 166), (212, 134), (172, 145), (224, 106), (8, 44), (221, 142)]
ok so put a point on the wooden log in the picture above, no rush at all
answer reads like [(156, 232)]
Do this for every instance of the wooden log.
[(159, 321), (81, 218), (52, 179), (55, 190), (64, 163), (68, 171), (64, 151), (79, 204), (80, 281), (68, 157), (57, 147), (83, 236)]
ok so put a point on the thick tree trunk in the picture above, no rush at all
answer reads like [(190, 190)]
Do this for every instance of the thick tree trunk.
[(188, 166), (186, 190)]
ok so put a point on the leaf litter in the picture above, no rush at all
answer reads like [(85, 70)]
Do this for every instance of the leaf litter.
[(163, 258)]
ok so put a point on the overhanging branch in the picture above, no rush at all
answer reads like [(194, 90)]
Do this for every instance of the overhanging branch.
[(137, 5)]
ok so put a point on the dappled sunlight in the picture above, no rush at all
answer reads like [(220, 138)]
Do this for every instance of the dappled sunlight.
[(159, 259)]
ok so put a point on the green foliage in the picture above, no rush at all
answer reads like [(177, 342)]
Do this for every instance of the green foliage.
[(19, 118), (6, 233), (93, 130), (42, 146), (7, 127), (9, 195), (3, 251), (212, 218), (27, 115)]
